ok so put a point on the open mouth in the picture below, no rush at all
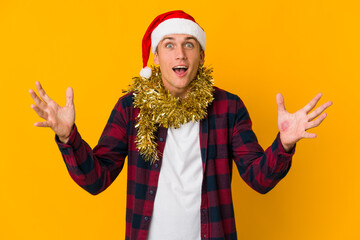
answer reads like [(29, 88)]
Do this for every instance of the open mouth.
[(180, 70)]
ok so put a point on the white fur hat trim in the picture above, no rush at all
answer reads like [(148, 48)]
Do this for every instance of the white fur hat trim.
[(177, 26)]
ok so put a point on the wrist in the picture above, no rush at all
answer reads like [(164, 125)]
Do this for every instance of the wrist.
[(65, 138), (288, 147)]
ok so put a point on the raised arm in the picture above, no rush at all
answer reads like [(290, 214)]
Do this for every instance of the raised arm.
[(92, 169), (260, 169)]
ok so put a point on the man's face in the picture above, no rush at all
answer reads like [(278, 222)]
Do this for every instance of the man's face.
[(179, 56)]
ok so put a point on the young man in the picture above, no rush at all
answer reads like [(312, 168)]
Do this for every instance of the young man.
[(180, 135)]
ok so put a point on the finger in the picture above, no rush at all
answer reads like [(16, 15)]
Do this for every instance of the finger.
[(319, 110), (280, 102), (39, 112), (69, 96), (42, 93), (312, 103), (309, 135), (316, 122), (42, 124), (36, 99)]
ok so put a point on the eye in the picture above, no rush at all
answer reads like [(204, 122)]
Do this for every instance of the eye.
[(189, 45), (169, 45)]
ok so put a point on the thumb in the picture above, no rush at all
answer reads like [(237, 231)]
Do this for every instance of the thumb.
[(69, 96), (280, 102)]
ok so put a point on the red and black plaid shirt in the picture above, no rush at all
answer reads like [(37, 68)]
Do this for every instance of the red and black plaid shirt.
[(225, 135)]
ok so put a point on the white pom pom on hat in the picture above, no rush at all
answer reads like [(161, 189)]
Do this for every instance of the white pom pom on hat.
[(145, 72), (173, 22)]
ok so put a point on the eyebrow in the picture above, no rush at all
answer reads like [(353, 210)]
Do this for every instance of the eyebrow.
[(167, 38), (171, 38), (188, 38)]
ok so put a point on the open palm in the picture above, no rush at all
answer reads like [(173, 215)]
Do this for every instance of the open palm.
[(59, 119), (293, 126)]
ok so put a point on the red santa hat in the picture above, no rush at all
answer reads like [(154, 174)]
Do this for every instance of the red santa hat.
[(174, 22)]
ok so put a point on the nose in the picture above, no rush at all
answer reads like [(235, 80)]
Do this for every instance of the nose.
[(180, 53)]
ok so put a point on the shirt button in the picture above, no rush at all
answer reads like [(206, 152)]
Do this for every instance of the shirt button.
[(156, 165), (204, 213), (161, 139), (146, 218), (151, 192), (204, 235)]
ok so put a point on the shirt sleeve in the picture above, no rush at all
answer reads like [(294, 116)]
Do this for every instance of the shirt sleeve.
[(260, 169), (95, 169)]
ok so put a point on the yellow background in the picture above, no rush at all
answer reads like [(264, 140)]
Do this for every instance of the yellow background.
[(257, 48)]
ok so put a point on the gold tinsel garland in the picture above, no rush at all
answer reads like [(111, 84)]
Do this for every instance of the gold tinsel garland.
[(159, 108)]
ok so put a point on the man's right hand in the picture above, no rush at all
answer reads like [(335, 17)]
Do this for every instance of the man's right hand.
[(59, 119)]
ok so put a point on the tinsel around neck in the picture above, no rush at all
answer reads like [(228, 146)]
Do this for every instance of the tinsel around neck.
[(159, 108)]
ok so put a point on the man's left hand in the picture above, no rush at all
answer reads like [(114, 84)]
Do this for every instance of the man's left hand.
[(293, 127)]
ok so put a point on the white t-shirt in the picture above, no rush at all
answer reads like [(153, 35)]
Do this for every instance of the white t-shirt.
[(176, 214)]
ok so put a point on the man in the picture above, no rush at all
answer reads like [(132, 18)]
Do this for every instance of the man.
[(180, 135)]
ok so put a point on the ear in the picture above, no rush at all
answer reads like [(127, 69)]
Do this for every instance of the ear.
[(156, 58), (202, 57)]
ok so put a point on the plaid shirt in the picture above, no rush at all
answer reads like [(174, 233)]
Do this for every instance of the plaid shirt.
[(225, 135)]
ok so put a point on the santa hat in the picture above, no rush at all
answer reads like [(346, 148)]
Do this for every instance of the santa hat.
[(174, 22)]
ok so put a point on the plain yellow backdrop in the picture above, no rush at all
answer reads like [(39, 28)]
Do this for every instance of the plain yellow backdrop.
[(257, 48)]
